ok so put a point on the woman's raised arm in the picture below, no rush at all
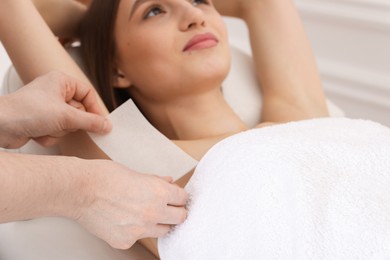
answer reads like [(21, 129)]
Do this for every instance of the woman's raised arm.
[(62, 16), (31, 45), (34, 51), (285, 64)]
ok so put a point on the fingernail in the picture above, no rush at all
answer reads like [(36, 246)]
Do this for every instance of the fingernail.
[(107, 126)]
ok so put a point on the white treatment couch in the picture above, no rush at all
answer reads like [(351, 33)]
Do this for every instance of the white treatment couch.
[(61, 239)]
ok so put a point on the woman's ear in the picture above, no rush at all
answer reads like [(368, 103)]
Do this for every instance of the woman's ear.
[(121, 80)]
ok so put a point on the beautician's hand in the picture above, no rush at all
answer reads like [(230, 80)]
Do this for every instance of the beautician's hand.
[(125, 206), (47, 109)]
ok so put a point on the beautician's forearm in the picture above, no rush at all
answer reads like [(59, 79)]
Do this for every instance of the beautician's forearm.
[(37, 186), (284, 61)]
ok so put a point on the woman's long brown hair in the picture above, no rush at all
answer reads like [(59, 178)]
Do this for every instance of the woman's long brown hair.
[(98, 50)]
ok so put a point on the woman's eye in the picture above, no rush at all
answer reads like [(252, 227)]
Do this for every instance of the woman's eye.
[(198, 2), (154, 11)]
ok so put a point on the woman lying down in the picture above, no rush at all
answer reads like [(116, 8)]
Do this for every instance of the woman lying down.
[(299, 190), (293, 187)]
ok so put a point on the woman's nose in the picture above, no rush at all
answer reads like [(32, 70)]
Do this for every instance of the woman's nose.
[(191, 17)]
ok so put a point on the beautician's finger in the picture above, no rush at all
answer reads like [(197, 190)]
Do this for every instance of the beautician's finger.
[(83, 94), (78, 119), (58, 135), (76, 104), (174, 215), (46, 141), (178, 196), (158, 231), (167, 178), (52, 139), (79, 106), (16, 143)]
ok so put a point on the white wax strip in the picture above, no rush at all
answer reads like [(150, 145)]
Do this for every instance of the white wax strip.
[(135, 143)]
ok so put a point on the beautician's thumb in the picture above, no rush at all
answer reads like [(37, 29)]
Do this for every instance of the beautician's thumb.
[(89, 122)]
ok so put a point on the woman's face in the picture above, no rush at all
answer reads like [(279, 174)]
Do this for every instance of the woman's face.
[(163, 45)]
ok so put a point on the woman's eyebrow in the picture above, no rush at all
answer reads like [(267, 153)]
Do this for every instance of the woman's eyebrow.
[(135, 5)]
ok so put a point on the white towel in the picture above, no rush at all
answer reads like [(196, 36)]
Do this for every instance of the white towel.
[(315, 189)]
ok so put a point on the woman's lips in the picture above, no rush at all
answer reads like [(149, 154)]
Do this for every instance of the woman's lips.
[(201, 41)]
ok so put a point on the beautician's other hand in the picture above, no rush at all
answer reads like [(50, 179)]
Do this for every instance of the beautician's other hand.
[(47, 109), (125, 206)]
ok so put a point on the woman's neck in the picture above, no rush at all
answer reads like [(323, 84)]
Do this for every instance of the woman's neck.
[(193, 117)]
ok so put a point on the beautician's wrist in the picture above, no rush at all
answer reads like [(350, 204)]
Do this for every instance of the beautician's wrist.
[(78, 195)]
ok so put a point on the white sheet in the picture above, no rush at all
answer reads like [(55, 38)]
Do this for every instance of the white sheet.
[(316, 189)]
